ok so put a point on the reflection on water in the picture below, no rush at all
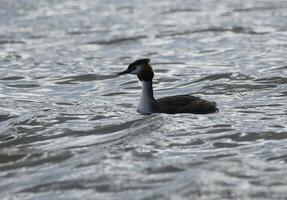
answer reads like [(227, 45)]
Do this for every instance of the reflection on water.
[(69, 126)]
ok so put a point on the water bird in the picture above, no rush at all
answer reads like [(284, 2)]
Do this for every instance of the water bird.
[(171, 104)]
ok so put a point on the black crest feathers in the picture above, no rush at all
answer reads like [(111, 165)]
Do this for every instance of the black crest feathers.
[(139, 62)]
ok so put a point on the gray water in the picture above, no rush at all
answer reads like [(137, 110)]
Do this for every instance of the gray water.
[(69, 126)]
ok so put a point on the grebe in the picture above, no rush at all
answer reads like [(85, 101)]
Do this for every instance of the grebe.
[(170, 105)]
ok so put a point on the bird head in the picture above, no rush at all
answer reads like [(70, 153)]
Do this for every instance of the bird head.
[(141, 68)]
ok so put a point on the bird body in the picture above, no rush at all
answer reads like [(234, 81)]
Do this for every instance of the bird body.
[(170, 105), (186, 104)]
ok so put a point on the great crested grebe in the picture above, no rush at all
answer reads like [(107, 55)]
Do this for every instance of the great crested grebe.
[(170, 105)]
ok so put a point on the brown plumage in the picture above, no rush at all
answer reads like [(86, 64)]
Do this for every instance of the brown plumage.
[(185, 104), (146, 73)]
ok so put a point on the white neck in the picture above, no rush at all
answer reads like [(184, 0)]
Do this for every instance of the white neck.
[(147, 104)]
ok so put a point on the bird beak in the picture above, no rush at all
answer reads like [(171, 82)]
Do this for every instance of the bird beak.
[(124, 72)]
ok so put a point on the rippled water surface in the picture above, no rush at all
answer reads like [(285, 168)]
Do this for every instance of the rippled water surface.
[(69, 126)]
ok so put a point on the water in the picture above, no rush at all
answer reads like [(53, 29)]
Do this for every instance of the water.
[(69, 126)]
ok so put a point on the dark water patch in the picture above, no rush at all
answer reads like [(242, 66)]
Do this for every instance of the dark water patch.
[(167, 80), (114, 94), (23, 85), (36, 37), (67, 103), (281, 114), (141, 126), (278, 68), (278, 158), (12, 78), (276, 126), (161, 70), (219, 130), (23, 136), (79, 32), (179, 10), (208, 51), (280, 94), (98, 135), (117, 40), (250, 111), (11, 56), (236, 30), (214, 77), (3, 42), (164, 169), (101, 186), (33, 159), (83, 78), (5, 117), (31, 102), (55, 186), (226, 145), (272, 80), (39, 77), (240, 175), (99, 117), (130, 82), (63, 119), (9, 158), (125, 105), (219, 156), (133, 88), (3, 138), (83, 32), (102, 130), (32, 120), (255, 9), (26, 131), (186, 143)]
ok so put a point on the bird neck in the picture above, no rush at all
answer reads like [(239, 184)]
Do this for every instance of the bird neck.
[(147, 90), (147, 104)]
